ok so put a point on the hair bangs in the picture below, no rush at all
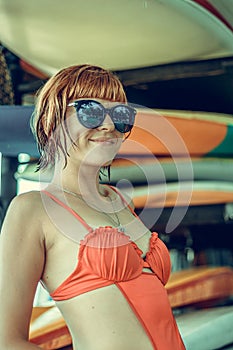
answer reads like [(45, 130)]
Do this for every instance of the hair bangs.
[(98, 83)]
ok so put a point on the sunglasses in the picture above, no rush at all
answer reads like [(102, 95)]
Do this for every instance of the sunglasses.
[(91, 114)]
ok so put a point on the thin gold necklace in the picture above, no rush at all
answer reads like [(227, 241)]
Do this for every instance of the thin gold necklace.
[(116, 223)]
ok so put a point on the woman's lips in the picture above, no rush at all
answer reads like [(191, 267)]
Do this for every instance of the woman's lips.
[(104, 141)]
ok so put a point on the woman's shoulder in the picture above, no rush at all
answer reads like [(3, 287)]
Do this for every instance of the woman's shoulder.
[(24, 219), (26, 199), (26, 205)]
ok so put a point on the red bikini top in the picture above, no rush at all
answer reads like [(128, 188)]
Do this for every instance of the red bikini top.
[(107, 256)]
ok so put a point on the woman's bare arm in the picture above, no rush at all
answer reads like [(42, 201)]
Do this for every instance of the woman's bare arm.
[(21, 266)]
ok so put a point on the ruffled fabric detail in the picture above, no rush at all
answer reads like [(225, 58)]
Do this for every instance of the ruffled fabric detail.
[(158, 258), (105, 237), (110, 254)]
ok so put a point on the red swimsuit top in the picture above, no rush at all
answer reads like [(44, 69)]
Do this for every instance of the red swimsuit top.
[(108, 256)]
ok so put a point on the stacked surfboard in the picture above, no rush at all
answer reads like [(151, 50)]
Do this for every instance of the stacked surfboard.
[(177, 152)]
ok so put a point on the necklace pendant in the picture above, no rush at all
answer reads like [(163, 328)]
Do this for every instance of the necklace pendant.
[(121, 228)]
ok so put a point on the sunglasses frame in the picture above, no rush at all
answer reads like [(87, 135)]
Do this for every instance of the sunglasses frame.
[(127, 127)]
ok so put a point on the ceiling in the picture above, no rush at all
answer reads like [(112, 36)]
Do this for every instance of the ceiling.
[(170, 54), (119, 35)]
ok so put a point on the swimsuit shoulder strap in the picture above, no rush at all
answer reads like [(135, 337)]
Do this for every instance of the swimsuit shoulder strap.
[(83, 222), (123, 200)]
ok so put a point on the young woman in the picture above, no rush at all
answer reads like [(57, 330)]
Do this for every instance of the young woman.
[(81, 238)]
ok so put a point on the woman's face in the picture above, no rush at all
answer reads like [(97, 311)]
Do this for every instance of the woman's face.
[(96, 146)]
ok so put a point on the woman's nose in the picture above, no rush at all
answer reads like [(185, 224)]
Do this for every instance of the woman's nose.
[(107, 124)]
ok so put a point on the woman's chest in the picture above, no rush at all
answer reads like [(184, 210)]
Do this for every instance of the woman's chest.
[(63, 253)]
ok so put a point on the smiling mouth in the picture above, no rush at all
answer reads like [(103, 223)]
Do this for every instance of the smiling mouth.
[(103, 141)]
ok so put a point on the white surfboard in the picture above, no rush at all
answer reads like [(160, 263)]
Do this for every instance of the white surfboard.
[(119, 35)]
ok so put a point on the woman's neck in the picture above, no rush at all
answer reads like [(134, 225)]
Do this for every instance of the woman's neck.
[(82, 180)]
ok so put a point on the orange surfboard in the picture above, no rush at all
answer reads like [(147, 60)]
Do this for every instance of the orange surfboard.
[(180, 133)]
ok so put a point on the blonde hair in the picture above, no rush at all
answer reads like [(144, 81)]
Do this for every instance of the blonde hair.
[(69, 84)]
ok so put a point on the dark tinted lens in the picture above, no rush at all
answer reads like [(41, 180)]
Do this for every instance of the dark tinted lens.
[(90, 114), (123, 118)]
